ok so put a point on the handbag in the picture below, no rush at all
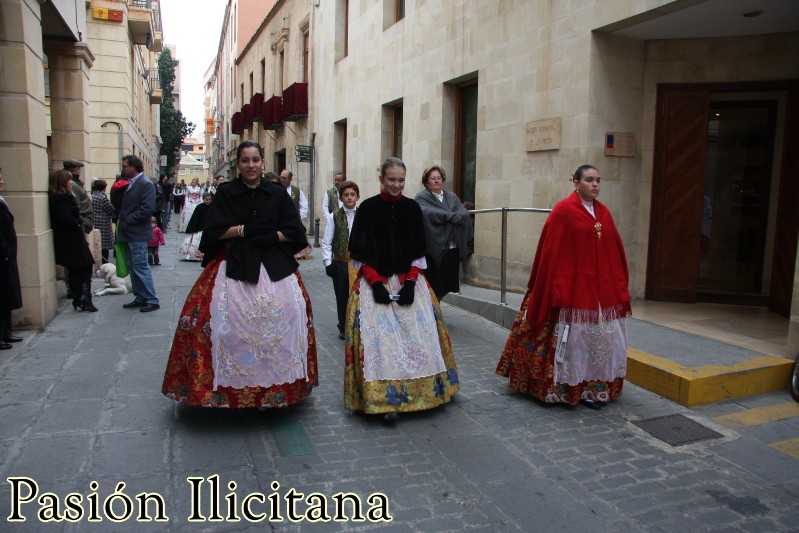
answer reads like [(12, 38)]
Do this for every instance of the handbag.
[(119, 255)]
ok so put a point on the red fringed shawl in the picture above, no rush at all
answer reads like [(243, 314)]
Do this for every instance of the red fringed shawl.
[(579, 266)]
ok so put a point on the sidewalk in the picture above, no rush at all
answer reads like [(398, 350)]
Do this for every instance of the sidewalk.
[(686, 367), (81, 402)]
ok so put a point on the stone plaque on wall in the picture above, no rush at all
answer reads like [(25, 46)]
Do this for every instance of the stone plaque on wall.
[(619, 144), (543, 134)]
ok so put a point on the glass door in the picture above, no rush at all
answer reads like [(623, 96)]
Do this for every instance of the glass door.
[(736, 201)]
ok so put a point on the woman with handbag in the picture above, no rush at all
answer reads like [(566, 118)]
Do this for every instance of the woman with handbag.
[(71, 249), (245, 336), (569, 341)]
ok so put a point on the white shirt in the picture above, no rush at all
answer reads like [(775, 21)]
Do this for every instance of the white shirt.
[(303, 202), (589, 206), (327, 240)]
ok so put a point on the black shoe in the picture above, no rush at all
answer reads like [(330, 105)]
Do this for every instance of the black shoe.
[(390, 417), (132, 305), (146, 308), (5, 346), (12, 338), (341, 336), (596, 406)]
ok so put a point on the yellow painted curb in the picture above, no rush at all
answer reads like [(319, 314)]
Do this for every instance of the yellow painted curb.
[(706, 384)]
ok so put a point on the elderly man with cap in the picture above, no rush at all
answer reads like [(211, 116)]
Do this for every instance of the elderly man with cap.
[(84, 200)]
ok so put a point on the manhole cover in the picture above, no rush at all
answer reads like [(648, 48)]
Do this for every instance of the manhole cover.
[(676, 430)]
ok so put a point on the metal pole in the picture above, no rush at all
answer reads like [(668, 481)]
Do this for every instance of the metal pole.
[(312, 199), (316, 234), (503, 282)]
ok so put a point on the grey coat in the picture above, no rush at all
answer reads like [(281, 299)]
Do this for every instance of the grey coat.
[(444, 223), (138, 206)]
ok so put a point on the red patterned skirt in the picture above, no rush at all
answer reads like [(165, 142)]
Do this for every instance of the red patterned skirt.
[(189, 376), (529, 361)]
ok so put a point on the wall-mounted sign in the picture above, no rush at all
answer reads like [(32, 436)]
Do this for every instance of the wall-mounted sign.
[(210, 126), (543, 134), (108, 14), (303, 153), (619, 144)]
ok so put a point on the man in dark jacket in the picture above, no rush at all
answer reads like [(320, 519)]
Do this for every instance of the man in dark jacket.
[(84, 199), (135, 229)]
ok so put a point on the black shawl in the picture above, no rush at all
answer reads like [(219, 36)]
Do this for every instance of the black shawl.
[(236, 204), (387, 234)]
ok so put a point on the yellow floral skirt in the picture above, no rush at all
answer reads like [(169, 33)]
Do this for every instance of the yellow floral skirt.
[(394, 395)]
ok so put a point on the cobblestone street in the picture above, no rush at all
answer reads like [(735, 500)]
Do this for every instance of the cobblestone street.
[(81, 402)]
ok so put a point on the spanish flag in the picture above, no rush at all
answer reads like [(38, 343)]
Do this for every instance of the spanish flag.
[(108, 14)]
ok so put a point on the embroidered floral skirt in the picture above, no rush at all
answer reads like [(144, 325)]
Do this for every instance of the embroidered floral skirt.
[(529, 361), (190, 372), (397, 358), (190, 248)]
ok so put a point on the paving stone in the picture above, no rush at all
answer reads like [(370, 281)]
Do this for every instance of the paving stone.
[(75, 405)]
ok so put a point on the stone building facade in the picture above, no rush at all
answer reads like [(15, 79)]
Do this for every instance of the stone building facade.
[(72, 86), (690, 123)]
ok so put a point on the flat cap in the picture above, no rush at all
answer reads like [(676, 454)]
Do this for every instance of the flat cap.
[(71, 163)]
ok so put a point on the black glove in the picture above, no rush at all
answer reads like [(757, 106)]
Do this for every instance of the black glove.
[(406, 292), (380, 293), (330, 270)]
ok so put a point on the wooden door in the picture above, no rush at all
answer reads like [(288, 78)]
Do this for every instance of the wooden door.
[(678, 186)]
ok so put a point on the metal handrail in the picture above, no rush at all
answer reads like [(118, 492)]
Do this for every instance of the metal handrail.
[(503, 280)]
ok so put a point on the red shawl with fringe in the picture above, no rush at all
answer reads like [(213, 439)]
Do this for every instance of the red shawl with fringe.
[(580, 266)]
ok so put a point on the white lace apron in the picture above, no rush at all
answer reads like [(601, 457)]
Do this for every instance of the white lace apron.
[(590, 351), (259, 333), (399, 342)]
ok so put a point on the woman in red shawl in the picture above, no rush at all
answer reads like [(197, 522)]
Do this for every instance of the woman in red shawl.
[(569, 341)]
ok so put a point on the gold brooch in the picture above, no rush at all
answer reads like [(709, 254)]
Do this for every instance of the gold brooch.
[(598, 228)]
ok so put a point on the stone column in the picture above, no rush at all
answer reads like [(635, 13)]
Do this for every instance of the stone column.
[(69, 65), (23, 156)]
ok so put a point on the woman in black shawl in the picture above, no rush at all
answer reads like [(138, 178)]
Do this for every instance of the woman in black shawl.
[(245, 336), (448, 229), (189, 250)]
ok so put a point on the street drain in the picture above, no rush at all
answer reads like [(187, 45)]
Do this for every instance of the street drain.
[(676, 430)]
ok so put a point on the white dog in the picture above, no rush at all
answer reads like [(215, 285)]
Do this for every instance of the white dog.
[(113, 283)]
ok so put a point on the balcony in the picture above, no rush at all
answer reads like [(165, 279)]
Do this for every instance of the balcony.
[(295, 102), (236, 124), (155, 92), (140, 22), (246, 116), (257, 103), (158, 34), (273, 113)]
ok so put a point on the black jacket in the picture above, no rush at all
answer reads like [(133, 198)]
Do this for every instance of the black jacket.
[(388, 235), (10, 287), (236, 204), (69, 241)]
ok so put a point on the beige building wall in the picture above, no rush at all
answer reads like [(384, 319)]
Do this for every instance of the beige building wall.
[(122, 75), (23, 157), (533, 60)]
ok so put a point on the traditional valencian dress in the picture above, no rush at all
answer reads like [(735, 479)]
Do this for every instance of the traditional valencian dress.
[(189, 249), (194, 197), (246, 336), (569, 340), (397, 358)]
